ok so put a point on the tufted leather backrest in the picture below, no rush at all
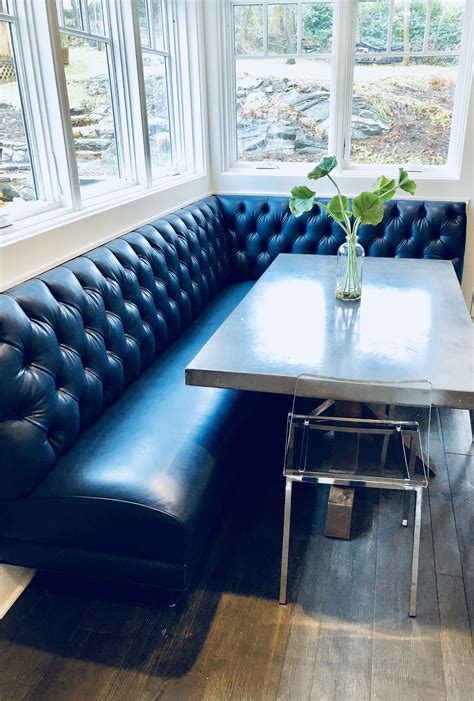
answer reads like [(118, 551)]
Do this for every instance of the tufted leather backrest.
[(261, 227), (73, 338)]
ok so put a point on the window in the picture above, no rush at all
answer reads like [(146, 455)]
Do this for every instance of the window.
[(90, 71), (96, 97), (18, 184), (405, 74), (282, 68), (156, 70), (374, 81)]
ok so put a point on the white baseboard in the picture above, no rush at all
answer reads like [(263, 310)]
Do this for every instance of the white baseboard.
[(13, 582)]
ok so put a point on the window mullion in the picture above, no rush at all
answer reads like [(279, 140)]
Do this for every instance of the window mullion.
[(174, 91), (149, 14), (79, 34), (427, 27), (299, 28), (68, 152), (119, 100), (86, 25), (138, 114), (344, 19), (265, 29), (390, 26)]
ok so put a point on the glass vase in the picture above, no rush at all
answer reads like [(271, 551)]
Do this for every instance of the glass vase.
[(350, 256)]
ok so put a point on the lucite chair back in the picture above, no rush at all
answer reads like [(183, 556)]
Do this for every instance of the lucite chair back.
[(359, 434)]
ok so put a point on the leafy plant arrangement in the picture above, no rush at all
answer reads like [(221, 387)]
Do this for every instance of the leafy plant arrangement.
[(367, 208)]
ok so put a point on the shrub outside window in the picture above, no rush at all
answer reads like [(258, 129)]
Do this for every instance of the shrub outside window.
[(388, 99), (405, 73)]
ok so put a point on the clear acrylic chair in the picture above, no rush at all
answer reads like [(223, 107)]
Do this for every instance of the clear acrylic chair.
[(387, 435)]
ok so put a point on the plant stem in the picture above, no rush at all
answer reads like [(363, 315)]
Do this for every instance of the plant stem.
[(351, 285), (347, 221)]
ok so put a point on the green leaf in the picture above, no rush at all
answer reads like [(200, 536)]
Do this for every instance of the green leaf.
[(334, 207), (384, 188), (322, 169), (405, 183), (301, 200), (369, 207)]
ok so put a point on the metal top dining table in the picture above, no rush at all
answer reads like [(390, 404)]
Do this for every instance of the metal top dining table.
[(410, 325)]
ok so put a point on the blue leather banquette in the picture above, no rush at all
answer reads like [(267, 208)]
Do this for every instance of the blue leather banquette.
[(110, 465)]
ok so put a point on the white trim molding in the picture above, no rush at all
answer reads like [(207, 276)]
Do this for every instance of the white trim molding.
[(13, 582)]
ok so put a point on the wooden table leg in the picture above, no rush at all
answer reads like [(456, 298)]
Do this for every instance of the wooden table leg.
[(345, 459)]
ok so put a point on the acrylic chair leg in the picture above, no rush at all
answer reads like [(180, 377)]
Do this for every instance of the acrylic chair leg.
[(286, 542), (406, 507), (416, 551)]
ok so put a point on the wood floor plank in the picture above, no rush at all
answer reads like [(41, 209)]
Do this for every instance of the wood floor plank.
[(231, 641), (407, 660), (86, 669), (446, 550), (456, 643), (346, 627), (461, 474), (36, 642), (298, 669), (457, 432), (242, 652)]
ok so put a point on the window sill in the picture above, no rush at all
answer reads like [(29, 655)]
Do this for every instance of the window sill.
[(55, 216), (266, 169)]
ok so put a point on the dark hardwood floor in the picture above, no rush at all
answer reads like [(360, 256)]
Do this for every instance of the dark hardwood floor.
[(344, 635)]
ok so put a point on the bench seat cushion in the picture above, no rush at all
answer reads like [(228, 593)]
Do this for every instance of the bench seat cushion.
[(147, 478)]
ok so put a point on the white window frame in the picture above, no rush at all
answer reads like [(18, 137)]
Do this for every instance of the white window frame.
[(33, 107), (40, 45), (343, 61), (119, 95), (169, 54), (229, 42)]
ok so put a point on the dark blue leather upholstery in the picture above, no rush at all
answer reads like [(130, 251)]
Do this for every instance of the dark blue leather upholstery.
[(145, 481), (73, 338), (261, 227), (108, 461)]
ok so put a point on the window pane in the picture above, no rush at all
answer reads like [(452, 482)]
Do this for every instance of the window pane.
[(408, 29), (248, 23), (446, 25), (3, 6), (90, 102), (372, 25), (402, 113), (143, 20), (157, 27), (316, 27), (282, 109), (154, 69), (16, 176), (72, 14), (96, 16), (282, 29)]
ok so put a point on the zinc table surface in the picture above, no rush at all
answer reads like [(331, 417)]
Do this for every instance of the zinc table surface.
[(411, 324)]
